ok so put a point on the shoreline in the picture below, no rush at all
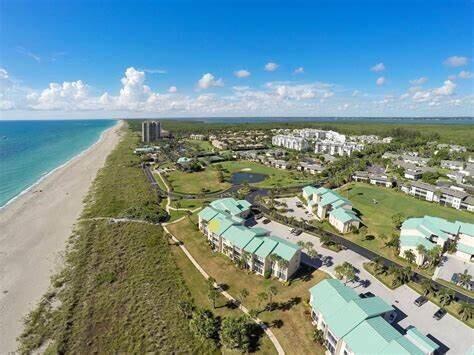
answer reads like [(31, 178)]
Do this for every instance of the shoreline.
[(63, 165), (33, 238)]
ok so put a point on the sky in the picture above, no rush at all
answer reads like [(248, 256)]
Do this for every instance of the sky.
[(121, 59)]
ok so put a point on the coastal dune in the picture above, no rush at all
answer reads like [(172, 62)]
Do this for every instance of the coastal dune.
[(34, 229)]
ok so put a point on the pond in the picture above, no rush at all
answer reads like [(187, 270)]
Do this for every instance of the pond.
[(241, 177)]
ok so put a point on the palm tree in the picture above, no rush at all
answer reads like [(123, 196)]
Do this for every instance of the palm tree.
[(466, 310), (379, 267), (243, 295), (410, 256), (301, 244), (245, 258), (434, 255), (272, 291), (261, 297), (465, 279), (446, 295), (421, 251), (428, 287)]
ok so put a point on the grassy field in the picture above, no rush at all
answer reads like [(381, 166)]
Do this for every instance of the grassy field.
[(190, 203), (203, 146), (295, 333), (276, 177), (378, 216), (119, 288), (197, 182)]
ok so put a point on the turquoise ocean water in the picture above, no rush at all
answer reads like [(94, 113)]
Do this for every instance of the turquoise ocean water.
[(31, 149)]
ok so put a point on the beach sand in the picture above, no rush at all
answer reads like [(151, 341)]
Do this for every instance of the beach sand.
[(34, 229)]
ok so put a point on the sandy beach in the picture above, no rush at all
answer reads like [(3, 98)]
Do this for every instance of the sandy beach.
[(34, 229)]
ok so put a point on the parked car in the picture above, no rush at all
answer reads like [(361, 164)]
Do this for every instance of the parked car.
[(266, 221), (298, 232), (420, 301), (258, 216), (455, 278), (367, 295), (440, 313)]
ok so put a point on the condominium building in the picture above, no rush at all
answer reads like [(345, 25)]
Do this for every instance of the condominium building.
[(151, 131), (291, 142), (223, 223), (443, 195), (337, 148), (353, 325), (373, 179), (452, 164), (198, 137), (330, 205), (431, 231)]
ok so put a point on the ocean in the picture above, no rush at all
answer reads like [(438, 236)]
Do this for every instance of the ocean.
[(29, 150)]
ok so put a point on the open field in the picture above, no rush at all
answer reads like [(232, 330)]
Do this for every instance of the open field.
[(197, 182), (295, 333), (119, 289), (276, 177), (202, 146)]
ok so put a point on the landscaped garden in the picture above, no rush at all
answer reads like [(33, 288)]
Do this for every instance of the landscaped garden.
[(289, 317)]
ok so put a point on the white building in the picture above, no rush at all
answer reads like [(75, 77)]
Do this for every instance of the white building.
[(290, 142)]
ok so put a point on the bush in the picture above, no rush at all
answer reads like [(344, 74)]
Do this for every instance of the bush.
[(204, 325)]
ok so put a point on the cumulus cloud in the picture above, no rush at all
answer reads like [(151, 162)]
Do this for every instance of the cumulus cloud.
[(420, 81), (445, 90), (242, 73), (300, 91), (381, 81), (208, 80), (379, 67), (299, 70), (456, 61), (271, 66), (464, 74), (66, 96), (172, 89)]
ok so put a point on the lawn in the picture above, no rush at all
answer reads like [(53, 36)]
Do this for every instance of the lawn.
[(189, 203), (195, 183), (120, 285), (295, 333), (276, 177), (378, 216), (203, 146)]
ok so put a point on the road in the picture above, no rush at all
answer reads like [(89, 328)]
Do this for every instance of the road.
[(450, 333)]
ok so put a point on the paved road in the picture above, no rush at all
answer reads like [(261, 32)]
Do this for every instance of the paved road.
[(449, 332)]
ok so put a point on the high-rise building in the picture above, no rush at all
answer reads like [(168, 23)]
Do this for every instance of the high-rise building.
[(151, 131)]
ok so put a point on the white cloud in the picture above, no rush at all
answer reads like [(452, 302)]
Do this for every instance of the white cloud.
[(242, 73), (420, 81), (155, 71), (28, 53), (271, 66), (378, 67), (66, 96), (208, 80), (172, 89), (446, 90), (381, 81), (456, 61), (300, 91), (464, 74), (299, 70)]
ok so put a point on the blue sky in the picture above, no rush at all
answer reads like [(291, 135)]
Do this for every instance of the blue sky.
[(146, 58)]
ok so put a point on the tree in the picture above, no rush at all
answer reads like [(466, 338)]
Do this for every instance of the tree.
[(243, 295), (301, 244), (186, 308), (434, 255), (318, 336), (428, 287), (236, 333), (262, 297), (445, 295), (272, 291), (204, 325), (421, 251), (394, 242), (312, 253), (465, 279), (345, 270), (325, 239), (397, 220), (466, 310), (379, 267), (410, 256), (402, 276), (245, 258), (212, 295)]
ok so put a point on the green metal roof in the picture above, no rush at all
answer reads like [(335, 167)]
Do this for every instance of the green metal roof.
[(183, 160), (330, 295), (401, 346), (231, 205), (421, 341), (220, 223), (284, 248), (344, 215), (254, 245), (407, 240), (207, 213), (371, 336), (332, 197), (309, 190), (466, 228), (465, 248), (239, 236), (266, 248), (355, 312)]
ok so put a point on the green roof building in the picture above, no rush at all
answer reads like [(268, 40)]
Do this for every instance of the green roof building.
[(355, 325)]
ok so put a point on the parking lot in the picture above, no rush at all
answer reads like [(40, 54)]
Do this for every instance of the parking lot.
[(450, 333), (299, 213), (452, 265)]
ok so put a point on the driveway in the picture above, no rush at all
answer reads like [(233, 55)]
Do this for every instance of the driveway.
[(294, 211), (451, 334)]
